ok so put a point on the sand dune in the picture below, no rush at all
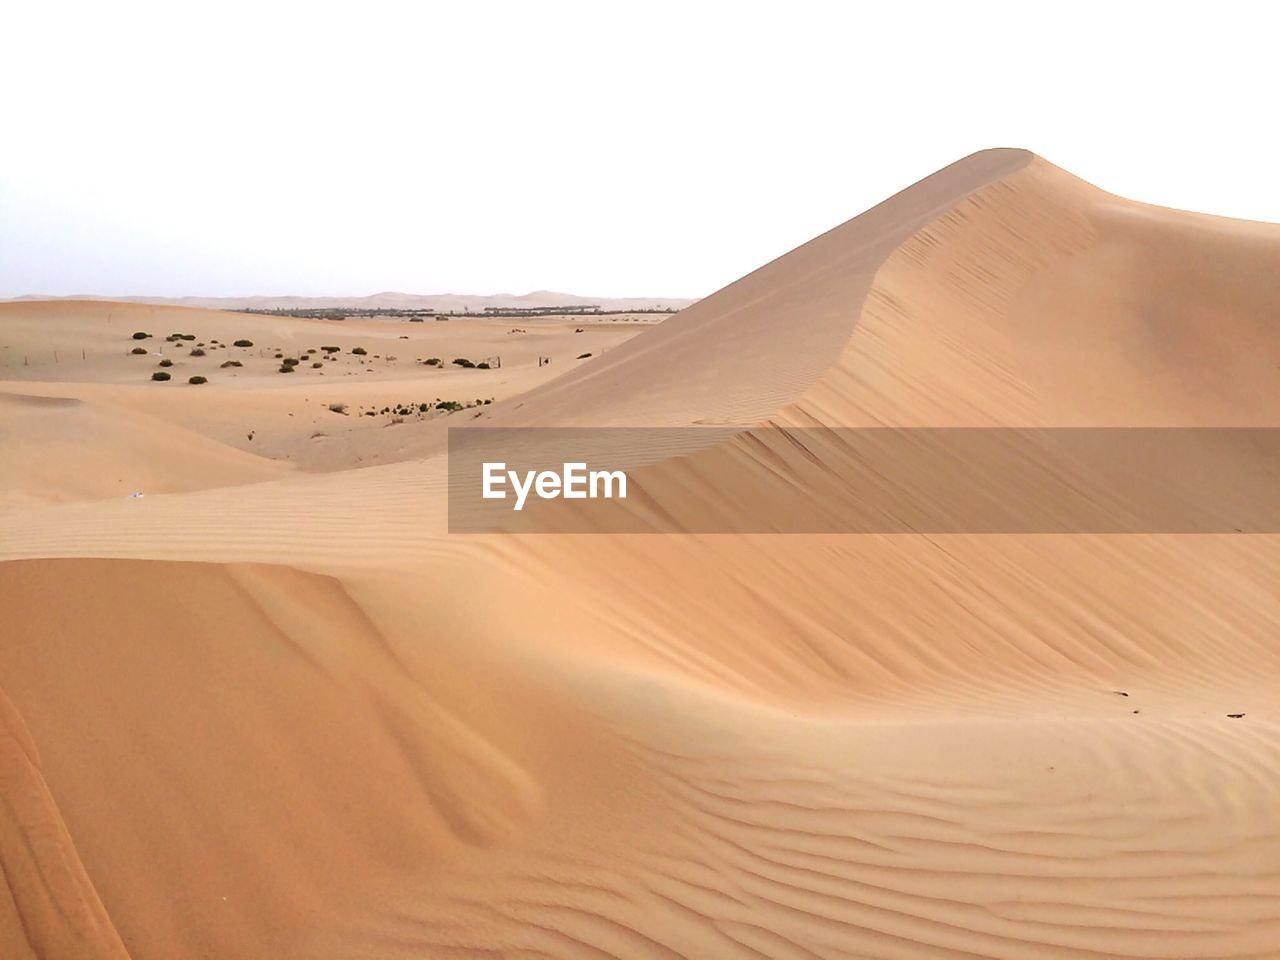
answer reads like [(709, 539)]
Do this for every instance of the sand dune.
[(114, 453), (272, 712)]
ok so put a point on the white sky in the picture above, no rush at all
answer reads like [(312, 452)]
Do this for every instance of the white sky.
[(597, 148)]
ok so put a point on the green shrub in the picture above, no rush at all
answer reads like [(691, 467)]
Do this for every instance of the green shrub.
[(197, 379), (243, 343), (449, 405), (160, 375)]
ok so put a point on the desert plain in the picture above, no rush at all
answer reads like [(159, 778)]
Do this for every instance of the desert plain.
[(272, 707)]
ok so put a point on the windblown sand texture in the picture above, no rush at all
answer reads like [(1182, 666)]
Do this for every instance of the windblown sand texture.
[(272, 709)]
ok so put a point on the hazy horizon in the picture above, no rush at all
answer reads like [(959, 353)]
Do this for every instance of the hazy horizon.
[(442, 294), (661, 152)]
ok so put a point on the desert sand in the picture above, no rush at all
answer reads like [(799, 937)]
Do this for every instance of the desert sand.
[(274, 709)]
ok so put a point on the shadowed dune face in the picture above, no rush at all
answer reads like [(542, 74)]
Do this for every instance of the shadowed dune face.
[(1186, 307), (1043, 301), (341, 732), (258, 724)]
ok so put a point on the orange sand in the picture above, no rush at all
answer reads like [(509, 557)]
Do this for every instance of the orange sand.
[(273, 709)]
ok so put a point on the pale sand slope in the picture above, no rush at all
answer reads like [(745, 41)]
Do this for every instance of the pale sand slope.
[(343, 733)]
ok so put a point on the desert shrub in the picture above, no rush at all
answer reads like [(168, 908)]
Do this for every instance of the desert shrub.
[(424, 407), (371, 413), (243, 343), (141, 336), (138, 351), (279, 356), (289, 362), (450, 405), (197, 379), (186, 336), (359, 351), (231, 363), (305, 356), (482, 366), (166, 363), (286, 368), (160, 375), (463, 362), (316, 365), (433, 361), (197, 352), (583, 356), (338, 408), (489, 401), (331, 349)]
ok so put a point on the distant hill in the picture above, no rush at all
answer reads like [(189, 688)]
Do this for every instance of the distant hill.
[(443, 302)]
